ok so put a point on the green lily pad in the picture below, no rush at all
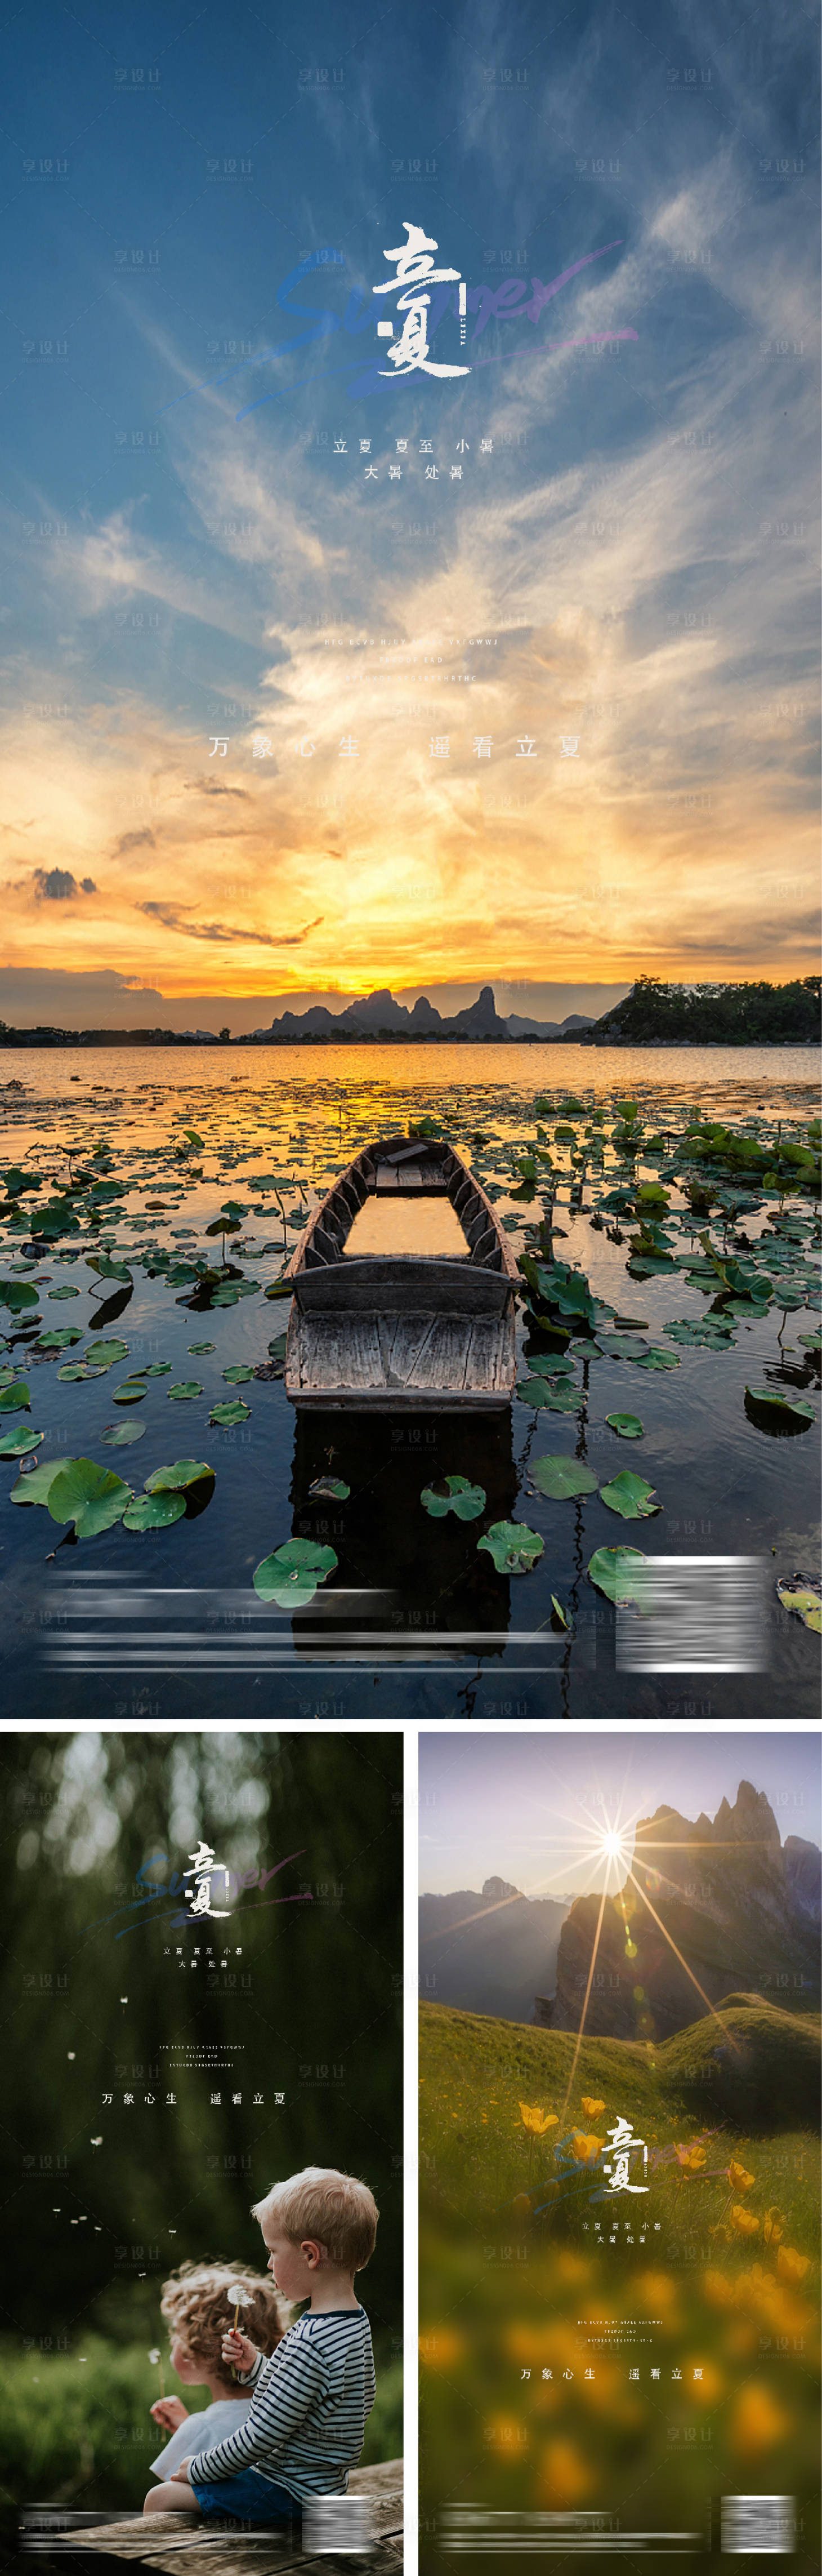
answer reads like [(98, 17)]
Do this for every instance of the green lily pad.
[(239, 1375), (34, 1488), (157, 1368), (15, 1444), (17, 1295), (514, 1548), (708, 1336), (60, 1339), (466, 1501), (653, 1358), (120, 1435), (198, 1349), (227, 1414), (154, 1511), (185, 1390), (630, 1496), (804, 1598), (15, 1398), (627, 1425), (75, 1370), (554, 1396), (617, 1571), (173, 1480), (794, 1407), (105, 1354), (293, 1573), (562, 1478), (225, 1297), (328, 1489), (132, 1391), (58, 1294), (811, 1341), (90, 1496)]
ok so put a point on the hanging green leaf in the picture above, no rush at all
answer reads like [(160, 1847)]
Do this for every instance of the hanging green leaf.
[(515, 1548), (563, 1479), (619, 1573), (293, 1573), (90, 1496), (466, 1501), (626, 1425), (630, 1496)]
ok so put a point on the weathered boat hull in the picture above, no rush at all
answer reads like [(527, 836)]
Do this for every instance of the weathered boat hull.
[(426, 1334)]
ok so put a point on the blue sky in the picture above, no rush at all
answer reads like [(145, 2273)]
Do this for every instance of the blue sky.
[(612, 560), (529, 1808)]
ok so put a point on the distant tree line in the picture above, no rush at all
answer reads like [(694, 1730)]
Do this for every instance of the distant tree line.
[(710, 1014)]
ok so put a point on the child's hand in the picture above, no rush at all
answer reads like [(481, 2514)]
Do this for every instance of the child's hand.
[(168, 2412), (237, 2349), (182, 2471)]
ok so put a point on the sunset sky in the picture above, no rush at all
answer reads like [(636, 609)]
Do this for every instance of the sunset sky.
[(616, 541)]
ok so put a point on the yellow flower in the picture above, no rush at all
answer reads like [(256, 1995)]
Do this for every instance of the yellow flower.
[(757, 2421), (441, 2348), (564, 2475), (773, 2226), (708, 2388), (690, 2159), (585, 2149), (740, 2219), (591, 2109), (717, 2290), (790, 2265), (536, 2120), (522, 2205), (740, 2180)]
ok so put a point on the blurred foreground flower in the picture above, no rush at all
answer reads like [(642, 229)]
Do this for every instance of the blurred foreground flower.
[(537, 2121), (690, 2159), (790, 2265), (740, 2180), (743, 2222), (564, 2475), (522, 2204), (757, 2421), (717, 2289), (591, 2108), (585, 2150), (441, 2348)]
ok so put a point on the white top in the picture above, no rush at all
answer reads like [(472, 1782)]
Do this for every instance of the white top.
[(200, 2432)]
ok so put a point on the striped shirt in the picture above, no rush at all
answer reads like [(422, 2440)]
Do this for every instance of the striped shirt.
[(306, 2423)]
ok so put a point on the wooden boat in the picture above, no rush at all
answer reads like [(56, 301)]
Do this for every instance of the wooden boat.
[(402, 1332)]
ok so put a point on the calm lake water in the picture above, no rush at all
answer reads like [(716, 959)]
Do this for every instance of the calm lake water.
[(414, 1620)]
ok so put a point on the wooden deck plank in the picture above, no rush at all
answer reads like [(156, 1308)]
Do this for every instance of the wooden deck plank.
[(181, 2545)]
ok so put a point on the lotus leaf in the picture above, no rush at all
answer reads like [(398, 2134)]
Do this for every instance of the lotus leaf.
[(90, 1496), (626, 1425), (239, 1375), (293, 1573), (107, 1269), (618, 1572), (198, 1349), (34, 1487), (796, 1406), (173, 1480), (17, 1295), (630, 1496), (60, 1339), (226, 1414), (185, 1390), (562, 1478), (15, 1444), (75, 1370), (120, 1435), (156, 1368), (555, 1397), (328, 1489), (106, 1354), (653, 1358), (154, 1511), (560, 1618), (811, 1341), (466, 1501), (514, 1548), (15, 1398), (132, 1391), (804, 1598)]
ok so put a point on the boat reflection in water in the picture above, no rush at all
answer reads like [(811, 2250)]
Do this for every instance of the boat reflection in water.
[(404, 1583)]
